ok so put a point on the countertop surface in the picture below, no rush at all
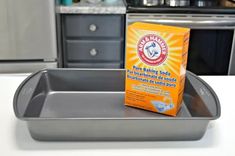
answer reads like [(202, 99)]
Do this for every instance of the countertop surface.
[(117, 7), (218, 140)]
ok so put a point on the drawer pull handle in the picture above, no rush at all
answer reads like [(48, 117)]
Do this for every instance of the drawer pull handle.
[(93, 27), (93, 52)]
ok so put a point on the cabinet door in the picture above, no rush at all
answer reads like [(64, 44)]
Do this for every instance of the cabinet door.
[(94, 50), (4, 31), (94, 26), (32, 30)]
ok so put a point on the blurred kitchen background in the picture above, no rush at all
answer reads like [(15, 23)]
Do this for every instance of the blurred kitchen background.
[(37, 34)]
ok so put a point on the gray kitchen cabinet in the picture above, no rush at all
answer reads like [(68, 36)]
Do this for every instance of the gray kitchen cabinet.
[(93, 41), (28, 28), (94, 50), (93, 26), (95, 65)]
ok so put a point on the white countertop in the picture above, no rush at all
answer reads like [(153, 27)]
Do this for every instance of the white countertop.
[(218, 140), (117, 7)]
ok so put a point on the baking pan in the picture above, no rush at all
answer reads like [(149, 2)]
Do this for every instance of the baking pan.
[(87, 105)]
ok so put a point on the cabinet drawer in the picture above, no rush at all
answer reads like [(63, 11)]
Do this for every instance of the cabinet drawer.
[(97, 50), (95, 65), (94, 25)]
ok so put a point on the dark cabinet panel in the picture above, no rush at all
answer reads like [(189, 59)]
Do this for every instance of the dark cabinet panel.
[(94, 25), (94, 50)]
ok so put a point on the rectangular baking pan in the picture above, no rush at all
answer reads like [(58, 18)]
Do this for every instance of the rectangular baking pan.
[(87, 105)]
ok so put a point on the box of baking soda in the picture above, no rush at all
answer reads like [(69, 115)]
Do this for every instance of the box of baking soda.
[(156, 58)]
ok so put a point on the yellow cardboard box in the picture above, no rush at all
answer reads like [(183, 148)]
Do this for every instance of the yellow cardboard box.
[(156, 58)]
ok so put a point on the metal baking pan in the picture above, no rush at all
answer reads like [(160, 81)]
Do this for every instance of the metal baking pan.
[(87, 105)]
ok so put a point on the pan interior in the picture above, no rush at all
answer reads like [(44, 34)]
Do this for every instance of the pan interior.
[(100, 94)]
